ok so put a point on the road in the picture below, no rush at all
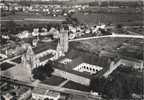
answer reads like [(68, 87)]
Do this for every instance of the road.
[(109, 36), (37, 84), (9, 59), (33, 19)]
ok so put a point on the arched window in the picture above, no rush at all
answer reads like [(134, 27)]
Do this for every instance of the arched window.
[(84, 67), (46, 99), (87, 67)]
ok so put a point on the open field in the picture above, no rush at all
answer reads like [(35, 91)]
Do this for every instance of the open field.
[(124, 16), (112, 46), (24, 18), (113, 18), (53, 80), (73, 85)]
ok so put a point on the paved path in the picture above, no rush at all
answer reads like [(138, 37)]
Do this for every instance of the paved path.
[(109, 36), (63, 83), (33, 19), (9, 59), (11, 62)]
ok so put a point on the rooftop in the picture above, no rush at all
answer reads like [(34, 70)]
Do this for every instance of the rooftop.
[(45, 92), (44, 46)]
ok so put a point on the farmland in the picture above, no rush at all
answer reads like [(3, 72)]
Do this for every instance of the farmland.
[(113, 18)]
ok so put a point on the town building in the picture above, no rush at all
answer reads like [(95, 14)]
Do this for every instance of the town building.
[(75, 70), (84, 67), (36, 58), (43, 94), (126, 61)]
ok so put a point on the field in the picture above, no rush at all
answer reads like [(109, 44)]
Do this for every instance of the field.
[(112, 18), (26, 18), (73, 85), (124, 16), (5, 66), (111, 46), (53, 80)]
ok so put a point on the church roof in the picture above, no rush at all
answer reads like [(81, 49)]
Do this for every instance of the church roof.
[(44, 46)]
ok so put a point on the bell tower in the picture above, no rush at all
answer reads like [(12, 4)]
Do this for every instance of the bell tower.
[(64, 40), (28, 60)]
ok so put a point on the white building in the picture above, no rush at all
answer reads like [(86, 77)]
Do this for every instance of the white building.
[(35, 32), (24, 34), (84, 67), (42, 94)]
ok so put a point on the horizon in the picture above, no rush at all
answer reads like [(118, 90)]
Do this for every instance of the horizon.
[(76, 0)]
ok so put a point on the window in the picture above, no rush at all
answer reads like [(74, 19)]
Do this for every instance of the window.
[(46, 99), (84, 67)]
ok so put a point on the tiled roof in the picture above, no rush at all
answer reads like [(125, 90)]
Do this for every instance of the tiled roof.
[(45, 92), (67, 68), (45, 57), (75, 62), (44, 46)]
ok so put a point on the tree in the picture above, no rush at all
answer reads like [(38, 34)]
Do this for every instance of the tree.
[(43, 71)]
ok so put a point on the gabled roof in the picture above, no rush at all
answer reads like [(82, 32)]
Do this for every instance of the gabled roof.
[(44, 46), (68, 69), (45, 92), (75, 62)]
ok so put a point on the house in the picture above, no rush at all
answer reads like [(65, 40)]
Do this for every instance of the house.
[(24, 34), (35, 32), (43, 94), (85, 67), (125, 61), (53, 31), (76, 70), (136, 64)]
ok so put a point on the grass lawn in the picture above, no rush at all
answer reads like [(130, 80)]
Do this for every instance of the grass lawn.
[(53, 80), (5, 66), (113, 18), (21, 18), (76, 86)]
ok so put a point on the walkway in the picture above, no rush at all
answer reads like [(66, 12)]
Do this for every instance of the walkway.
[(63, 83), (109, 36), (112, 68)]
